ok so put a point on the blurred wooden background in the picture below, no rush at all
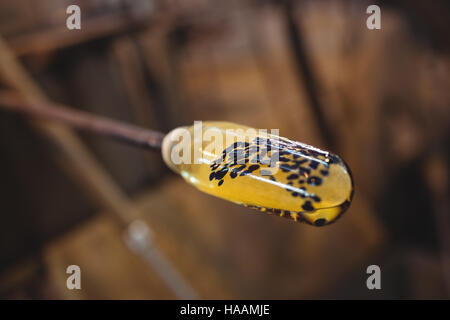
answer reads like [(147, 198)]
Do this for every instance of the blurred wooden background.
[(384, 95)]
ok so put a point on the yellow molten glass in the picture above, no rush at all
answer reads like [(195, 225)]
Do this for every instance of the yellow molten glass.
[(261, 171)]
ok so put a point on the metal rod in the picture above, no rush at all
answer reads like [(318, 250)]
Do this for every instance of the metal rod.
[(83, 120), (139, 238)]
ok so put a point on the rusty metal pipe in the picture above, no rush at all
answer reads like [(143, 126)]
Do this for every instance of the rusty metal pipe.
[(82, 120)]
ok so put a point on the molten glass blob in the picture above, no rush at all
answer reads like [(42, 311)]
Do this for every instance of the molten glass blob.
[(261, 171)]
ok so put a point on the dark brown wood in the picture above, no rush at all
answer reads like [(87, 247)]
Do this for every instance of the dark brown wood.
[(306, 73)]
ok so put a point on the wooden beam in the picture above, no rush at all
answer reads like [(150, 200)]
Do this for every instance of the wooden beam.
[(82, 166)]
